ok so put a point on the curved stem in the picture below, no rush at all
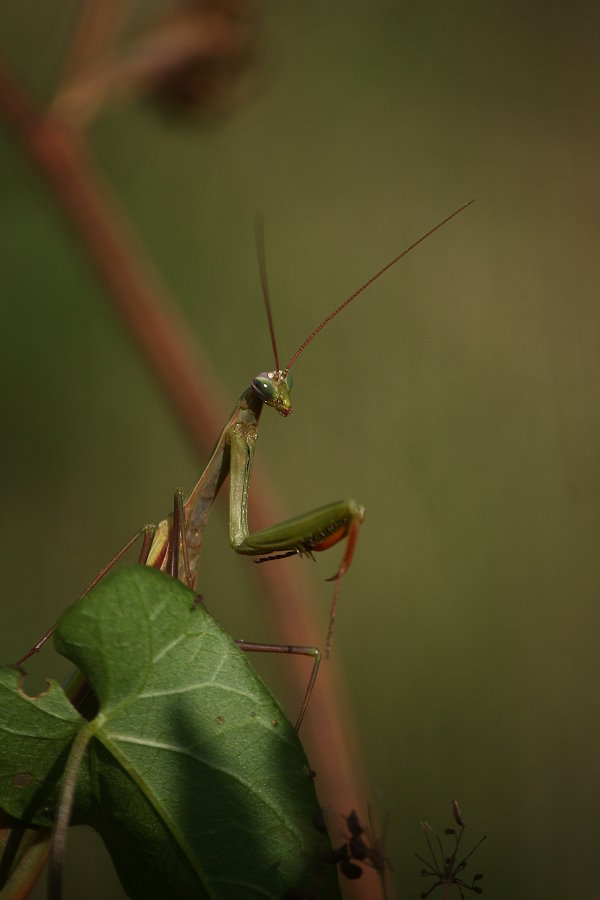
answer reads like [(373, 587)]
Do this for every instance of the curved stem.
[(65, 807)]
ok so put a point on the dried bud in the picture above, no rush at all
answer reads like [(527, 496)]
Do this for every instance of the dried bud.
[(354, 823), (457, 814), (215, 43)]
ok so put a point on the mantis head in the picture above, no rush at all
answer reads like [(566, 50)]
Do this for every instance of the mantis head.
[(274, 388)]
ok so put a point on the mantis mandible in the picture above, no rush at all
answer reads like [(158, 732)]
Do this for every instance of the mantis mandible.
[(174, 544)]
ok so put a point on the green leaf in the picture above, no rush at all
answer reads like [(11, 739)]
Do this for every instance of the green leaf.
[(194, 777), (36, 736)]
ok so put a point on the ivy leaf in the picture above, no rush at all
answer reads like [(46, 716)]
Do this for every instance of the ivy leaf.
[(195, 779)]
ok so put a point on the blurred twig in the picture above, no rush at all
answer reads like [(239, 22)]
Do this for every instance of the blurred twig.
[(192, 57), (149, 313), (98, 25)]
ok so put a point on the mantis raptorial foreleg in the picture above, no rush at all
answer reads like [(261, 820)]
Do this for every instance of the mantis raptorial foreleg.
[(316, 530)]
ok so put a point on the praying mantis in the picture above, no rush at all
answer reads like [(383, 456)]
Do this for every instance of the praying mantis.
[(173, 545)]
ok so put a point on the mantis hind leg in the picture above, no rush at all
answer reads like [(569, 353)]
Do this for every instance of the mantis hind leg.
[(147, 531), (313, 652), (179, 541), (165, 547)]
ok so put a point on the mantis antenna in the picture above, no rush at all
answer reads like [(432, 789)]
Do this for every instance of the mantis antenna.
[(259, 231), (364, 286)]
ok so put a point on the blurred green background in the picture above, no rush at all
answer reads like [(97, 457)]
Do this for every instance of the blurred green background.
[(459, 399)]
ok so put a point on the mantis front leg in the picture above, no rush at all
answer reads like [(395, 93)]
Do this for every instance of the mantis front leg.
[(313, 531)]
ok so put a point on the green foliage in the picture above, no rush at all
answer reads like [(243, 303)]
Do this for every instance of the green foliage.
[(193, 776)]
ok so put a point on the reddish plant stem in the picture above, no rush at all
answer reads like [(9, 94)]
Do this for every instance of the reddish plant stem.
[(149, 313)]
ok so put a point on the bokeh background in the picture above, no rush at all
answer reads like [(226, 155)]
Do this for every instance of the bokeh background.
[(459, 399)]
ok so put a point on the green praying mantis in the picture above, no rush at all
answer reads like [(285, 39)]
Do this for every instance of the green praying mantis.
[(173, 545)]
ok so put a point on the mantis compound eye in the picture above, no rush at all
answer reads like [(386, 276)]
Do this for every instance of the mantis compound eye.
[(264, 387), (273, 388)]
